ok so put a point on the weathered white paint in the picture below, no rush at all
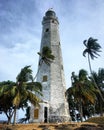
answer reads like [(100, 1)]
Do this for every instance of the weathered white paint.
[(54, 88)]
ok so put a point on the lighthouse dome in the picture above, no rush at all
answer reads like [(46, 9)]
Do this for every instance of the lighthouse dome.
[(50, 13)]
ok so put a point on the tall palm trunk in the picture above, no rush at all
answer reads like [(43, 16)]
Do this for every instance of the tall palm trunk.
[(81, 110), (89, 64), (37, 73), (9, 120), (14, 120), (94, 79), (40, 64), (101, 107)]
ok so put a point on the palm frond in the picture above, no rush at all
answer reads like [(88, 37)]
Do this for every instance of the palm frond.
[(92, 48), (25, 74), (46, 55), (35, 87), (33, 98), (17, 99)]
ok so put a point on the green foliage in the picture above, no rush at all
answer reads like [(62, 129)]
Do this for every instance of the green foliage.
[(16, 95), (6, 98), (82, 93), (92, 48), (82, 88), (99, 79), (25, 75), (46, 55)]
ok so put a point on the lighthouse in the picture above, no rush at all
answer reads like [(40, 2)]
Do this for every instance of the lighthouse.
[(54, 106)]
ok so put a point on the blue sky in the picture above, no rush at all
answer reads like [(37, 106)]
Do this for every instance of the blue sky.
[(20, 33)]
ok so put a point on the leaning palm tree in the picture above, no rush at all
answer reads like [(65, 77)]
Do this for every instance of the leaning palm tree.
[(24, 90), (46, 57), (92, 49)]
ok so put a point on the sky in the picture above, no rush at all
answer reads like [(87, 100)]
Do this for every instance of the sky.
[(21, 29)]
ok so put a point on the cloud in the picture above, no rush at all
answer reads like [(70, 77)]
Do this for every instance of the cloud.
[(20, 33), (17, 21), (12, 60), (20, 37)]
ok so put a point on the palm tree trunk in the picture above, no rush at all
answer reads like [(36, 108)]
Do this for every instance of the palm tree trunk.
[(89, 64), (14, 120), (40, 64), (94, 79), (81, 111), (36, 73), (101, 108), (9, 120)]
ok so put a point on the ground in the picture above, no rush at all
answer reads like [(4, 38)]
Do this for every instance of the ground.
[(96, 123), (65, 126)]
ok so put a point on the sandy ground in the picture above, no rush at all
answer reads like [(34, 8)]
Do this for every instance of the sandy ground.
[(65, 126)]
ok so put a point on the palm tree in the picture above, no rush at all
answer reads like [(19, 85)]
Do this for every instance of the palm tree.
[(92, 49), (22, 91), (6, 99), (82, 90), (99, 78), (46, 56)]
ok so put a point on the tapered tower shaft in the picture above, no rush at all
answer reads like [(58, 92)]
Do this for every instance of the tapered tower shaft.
[(51, 76)]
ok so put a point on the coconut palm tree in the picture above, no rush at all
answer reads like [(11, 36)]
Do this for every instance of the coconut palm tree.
[(22, 91), (46, 57), (82, 90), (25, 86), (6, 99), (92, 49), (99, 79)]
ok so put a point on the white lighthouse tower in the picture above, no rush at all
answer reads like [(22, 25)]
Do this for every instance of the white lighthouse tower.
[(54, 106)]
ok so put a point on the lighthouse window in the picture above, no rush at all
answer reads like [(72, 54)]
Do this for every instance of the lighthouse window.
[(44, 78), (62, 67), (52, 21), (47, 29), (36, 113)]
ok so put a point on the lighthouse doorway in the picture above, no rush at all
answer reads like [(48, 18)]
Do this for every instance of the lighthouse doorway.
[(45, 114)]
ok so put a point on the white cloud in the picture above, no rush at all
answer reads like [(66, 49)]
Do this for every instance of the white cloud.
[(78, 21), (13, 59)]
